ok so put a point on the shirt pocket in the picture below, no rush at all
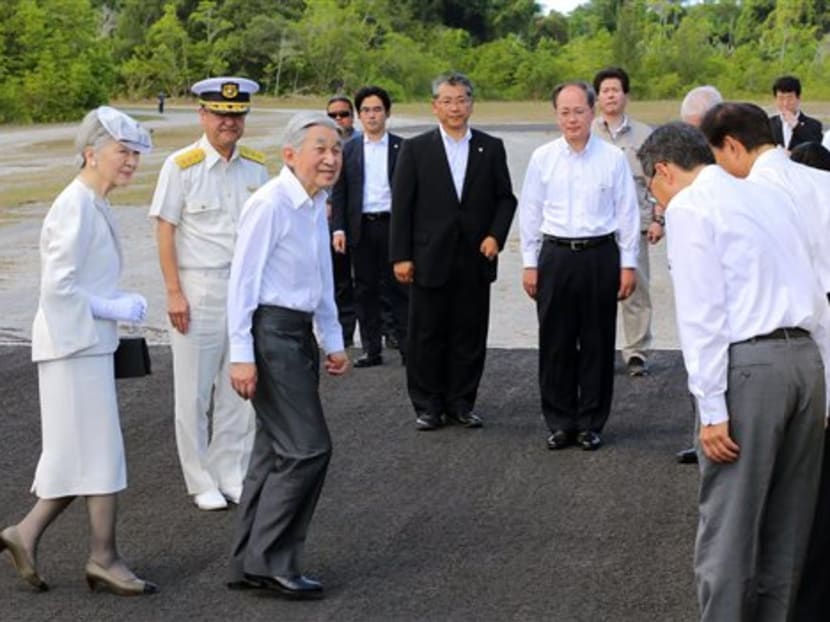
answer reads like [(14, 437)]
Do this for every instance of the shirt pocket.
[(195, 207)]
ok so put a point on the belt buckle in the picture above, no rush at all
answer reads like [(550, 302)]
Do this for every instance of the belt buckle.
[(577, 245)]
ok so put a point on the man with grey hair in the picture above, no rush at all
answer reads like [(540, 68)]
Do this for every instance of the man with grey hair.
[(580, 232), (452, 205), (695, 105), (754, 329), (280, 284), (697, 102)]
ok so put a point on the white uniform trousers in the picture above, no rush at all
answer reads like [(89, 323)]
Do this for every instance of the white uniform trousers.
[(636, 310), (201, 371)]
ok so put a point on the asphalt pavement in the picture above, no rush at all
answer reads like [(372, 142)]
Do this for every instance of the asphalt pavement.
[(453, 525)]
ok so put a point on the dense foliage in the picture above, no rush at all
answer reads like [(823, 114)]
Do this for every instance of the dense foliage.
[(60, 57)]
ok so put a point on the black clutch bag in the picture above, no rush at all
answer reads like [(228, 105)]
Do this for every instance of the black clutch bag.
[(132, 358)]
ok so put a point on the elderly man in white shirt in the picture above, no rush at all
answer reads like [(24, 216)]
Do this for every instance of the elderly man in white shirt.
[(281, 281), (754, 329), (579, 224)]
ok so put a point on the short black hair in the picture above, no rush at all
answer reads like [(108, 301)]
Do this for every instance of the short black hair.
[(787, 84), (811, 154), (679, 143), (340, 98), (368, 91), (611, 73), (745, 122), (590, 95)]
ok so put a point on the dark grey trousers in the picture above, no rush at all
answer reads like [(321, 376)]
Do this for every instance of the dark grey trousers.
[(756, 513), (291, 450)]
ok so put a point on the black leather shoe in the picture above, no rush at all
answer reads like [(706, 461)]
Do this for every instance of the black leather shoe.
[(369, 361), (468, 420), (294, 588), (428, 421), (560, 439), (589, 441), (636, 366), (687, 456), (245, 584)]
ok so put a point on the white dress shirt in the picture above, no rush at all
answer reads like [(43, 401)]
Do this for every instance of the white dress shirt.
[(377, 195), (282, 258), (203, 201), (809, 188), (579, 194), (740, 266), (458, 152)]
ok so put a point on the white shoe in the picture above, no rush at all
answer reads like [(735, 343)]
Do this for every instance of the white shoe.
[(232, 493), (210, 500)]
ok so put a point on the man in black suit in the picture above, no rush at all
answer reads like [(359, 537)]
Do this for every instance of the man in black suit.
[(791, 127), (452, 204), (361, 204)]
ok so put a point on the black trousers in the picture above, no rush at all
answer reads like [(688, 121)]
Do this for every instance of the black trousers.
[(291, 449), (448, 338), (344, 294), (576, 302), (374, 284), (813, 602)]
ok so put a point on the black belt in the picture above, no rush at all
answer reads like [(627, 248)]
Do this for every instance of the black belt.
[(780, 333), (580, 244), (372, 216)]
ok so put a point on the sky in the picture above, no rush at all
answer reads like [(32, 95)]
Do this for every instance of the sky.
[(563, 6)]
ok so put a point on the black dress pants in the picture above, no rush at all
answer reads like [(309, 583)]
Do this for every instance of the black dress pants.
[(813, 602), (374, 281), (576, 302), (291, 449), (448, 337), (344, 294)]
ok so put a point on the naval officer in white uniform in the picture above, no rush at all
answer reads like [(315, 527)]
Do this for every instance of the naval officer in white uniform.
[(198, 199)]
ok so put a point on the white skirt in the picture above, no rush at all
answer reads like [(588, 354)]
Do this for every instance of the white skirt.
[(83, 451)]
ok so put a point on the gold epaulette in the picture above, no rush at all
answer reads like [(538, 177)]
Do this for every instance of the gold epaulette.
[(190, 157), (252, 154)]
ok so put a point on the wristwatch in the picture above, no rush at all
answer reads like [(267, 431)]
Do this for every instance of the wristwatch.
[(659, 219)]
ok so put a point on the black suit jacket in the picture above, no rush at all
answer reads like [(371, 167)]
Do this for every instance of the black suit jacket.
[(808, 130), (347, 194), (429, 223)]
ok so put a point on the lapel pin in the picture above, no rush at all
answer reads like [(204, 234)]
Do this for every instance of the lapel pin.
[(481, 149)]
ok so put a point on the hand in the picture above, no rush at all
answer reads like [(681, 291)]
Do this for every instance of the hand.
[(628, 283), (337, 363), (125, 307), (530, 277), (404, 271), (338, 242), (178, 310), (789, 118), (489, 247), (243, 379), (655, 232), (717, 444)]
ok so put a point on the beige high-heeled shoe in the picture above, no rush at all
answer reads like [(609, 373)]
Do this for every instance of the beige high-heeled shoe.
[(10, 539), (98, 577)]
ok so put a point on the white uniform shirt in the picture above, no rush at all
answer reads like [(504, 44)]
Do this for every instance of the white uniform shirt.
[(458, 152), (377, 195), (579, 194), (740, 265), (809, 188), (203, 201), (282, 258)]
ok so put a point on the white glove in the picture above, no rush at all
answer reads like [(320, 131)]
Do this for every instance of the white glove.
[(126, 307)]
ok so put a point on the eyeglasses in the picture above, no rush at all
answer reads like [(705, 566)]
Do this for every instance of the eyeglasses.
[(339, 114)]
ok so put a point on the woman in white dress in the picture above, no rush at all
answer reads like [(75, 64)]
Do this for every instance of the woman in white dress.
[(74, 336)]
